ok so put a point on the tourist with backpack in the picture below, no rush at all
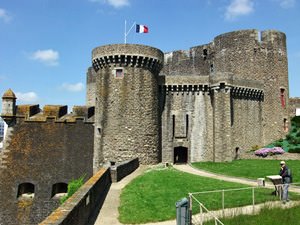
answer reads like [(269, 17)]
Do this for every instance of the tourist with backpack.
[(286, 175)]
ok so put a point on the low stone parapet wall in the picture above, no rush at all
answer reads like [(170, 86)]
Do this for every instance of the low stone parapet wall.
[(83, 207), (121, 170)]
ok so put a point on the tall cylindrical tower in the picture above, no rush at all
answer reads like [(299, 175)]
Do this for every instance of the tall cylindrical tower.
[(127, 120), (261, 56)]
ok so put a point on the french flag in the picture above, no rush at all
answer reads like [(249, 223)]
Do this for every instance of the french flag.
[(141, 28)]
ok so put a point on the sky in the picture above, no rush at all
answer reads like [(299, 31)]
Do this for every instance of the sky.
[(46, 45)]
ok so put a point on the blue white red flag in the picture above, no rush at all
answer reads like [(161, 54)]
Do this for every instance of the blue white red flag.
[(141, 28)]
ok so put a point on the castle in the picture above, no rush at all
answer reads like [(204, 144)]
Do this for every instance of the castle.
[(207, 103)]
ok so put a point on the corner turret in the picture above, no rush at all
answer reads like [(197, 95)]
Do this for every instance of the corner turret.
[(8, 106)]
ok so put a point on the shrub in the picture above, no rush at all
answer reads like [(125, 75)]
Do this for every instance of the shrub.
[(289, 137), (298, 134), (294, 150), (294, 130), (278, 144), (73, 186), (296, 121), (295, 141)]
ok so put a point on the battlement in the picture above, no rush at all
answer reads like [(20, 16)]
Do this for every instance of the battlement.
[(27, 110), (57, 113), (251, 37), (127, 55)]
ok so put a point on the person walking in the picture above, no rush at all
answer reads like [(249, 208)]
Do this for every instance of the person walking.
[(286, 175)]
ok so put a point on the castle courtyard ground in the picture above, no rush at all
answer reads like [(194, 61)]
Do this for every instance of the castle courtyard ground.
[(109, 212)]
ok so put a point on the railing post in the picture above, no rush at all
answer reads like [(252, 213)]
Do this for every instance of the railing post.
[(253, 199), (223, 202), (190, 209), (280, 191), (201, 215)]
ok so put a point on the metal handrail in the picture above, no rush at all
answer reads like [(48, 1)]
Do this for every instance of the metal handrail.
[(217, 221)]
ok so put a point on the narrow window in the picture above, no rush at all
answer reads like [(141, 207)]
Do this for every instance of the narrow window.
[(187, 124), (204, 54), (119, 73), (26, 190), (59, 190), (211, 68), (222, 85), (282, 97), (285, 125), (173, 121)]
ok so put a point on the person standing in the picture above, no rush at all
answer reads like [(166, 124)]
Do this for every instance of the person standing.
[(286, 175)]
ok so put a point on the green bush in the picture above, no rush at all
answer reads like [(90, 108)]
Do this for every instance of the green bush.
[(296, 121), (294, 150), (289, 137), (296, 140), (298, 134), (73, 186), (278, 144)]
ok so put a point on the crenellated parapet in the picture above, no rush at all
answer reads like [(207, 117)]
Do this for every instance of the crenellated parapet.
[(124, 55), (56, 113)]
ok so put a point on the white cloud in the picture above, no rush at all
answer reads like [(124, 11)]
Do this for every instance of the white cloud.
[(114, 3), (287, 3), (28, 97), (73, 87), (239, 8), (48, 57), (4, 15)]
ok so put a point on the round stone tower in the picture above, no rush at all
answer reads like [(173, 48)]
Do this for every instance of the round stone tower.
[(259, 56), (127, 120)]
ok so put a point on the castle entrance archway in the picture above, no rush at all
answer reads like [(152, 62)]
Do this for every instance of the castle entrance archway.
[(180, 155)]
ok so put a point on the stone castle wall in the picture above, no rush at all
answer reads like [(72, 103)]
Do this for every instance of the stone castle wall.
[(246, 58), (41, 151), (186, 118), (90, 87), (246, 120)]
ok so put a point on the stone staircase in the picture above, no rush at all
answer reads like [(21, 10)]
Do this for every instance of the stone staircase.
[(4, 151)]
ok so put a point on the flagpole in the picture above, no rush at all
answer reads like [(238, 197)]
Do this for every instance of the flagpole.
[(126, 33)]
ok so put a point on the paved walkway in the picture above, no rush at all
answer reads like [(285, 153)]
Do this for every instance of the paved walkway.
[(109, 213), (192, 170)]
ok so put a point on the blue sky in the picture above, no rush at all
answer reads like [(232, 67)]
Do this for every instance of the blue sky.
[(45, 45)]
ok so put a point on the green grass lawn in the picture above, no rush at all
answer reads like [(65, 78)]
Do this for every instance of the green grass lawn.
[(251, 168), (151, 197), (276, 216)]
